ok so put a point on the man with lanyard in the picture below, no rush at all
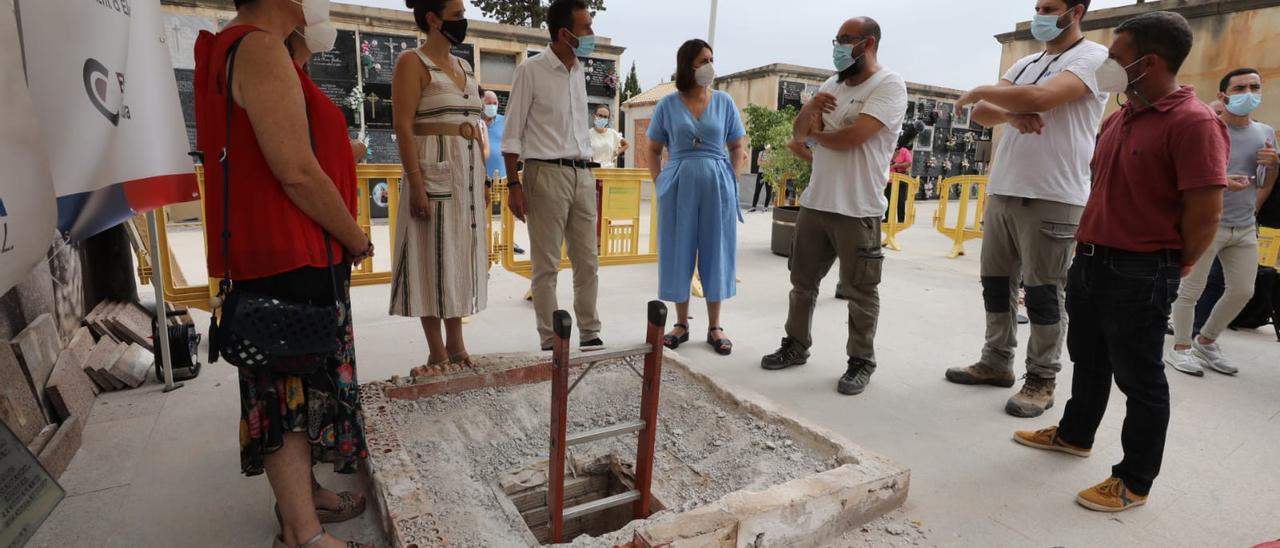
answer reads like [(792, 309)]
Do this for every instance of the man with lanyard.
[(547, 127), (1159, 171), (1038, 187)]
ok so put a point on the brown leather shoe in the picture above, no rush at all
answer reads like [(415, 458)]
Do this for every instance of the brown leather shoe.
[(981, 373), (1035, 397)]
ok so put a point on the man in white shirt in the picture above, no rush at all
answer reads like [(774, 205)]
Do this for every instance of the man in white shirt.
[(1039, 184), (547, 128), (606, 143), (854, 121)]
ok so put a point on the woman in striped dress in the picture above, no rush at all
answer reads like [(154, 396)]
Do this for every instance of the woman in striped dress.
[(441, 260)]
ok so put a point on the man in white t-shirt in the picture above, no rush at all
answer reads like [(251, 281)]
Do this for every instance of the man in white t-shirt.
[(854, 122), (606, 143), (1038, 188)]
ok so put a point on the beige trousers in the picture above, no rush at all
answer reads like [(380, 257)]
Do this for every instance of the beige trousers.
[(562, 207), (1237, 248)]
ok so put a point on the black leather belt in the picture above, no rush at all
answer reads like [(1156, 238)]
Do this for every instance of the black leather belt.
[(1094, 250), (577, 164)]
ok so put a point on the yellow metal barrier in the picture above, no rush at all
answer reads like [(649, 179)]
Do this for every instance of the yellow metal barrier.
[(968, 224), (1269, 247), (892, 228)]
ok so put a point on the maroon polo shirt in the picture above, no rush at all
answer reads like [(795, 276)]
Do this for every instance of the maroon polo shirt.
[(1144, 160)]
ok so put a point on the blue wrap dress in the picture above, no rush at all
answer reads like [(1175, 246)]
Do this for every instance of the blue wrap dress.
[(697, 198)]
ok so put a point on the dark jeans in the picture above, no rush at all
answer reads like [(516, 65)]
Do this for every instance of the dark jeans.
[(761, 184), (902, 201), (1119, 305)]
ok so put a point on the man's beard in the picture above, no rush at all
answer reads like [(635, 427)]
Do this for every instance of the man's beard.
[(851, 71)]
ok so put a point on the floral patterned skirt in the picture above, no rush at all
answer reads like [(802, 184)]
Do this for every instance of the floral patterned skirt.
[(324, 405)]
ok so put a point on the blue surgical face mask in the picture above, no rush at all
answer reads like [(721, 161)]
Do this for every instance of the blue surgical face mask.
[(1244, 104), (842, 56), (602, 123), (491, 111), (1045, 27), (586, 45)]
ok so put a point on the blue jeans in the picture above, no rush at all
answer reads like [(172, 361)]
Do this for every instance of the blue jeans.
[(1214, 288), (1119, 304)]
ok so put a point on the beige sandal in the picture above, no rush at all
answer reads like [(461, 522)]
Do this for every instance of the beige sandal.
[(431, 369), (348, 509), (463, 359)]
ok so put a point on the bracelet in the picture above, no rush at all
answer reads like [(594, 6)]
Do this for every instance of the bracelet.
[(407, 173)]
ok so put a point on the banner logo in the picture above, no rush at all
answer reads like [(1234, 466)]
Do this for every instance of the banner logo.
[(4, 240), (98, 85)]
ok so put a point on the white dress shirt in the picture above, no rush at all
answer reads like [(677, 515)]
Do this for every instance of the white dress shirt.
[(547, 111)]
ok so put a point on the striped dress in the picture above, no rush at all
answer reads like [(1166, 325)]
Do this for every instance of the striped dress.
[(441, 263)]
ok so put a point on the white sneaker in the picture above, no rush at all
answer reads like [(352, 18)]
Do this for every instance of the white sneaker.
[(1212, 356), (1185, 361)]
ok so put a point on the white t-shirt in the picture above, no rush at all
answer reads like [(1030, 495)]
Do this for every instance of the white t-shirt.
[(1053, 165), (604, 146), (851, 182)]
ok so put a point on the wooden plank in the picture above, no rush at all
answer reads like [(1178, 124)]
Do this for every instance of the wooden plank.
[(649, 411), (579, 358), (563, 325)]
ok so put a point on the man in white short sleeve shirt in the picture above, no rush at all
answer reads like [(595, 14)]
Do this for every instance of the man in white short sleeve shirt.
[(1038, 188), (854, 122)]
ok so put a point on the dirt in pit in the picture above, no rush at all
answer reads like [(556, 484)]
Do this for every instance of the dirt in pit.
[(706, 448)]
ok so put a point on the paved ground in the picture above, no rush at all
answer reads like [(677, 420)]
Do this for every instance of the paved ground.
[(162, 470)]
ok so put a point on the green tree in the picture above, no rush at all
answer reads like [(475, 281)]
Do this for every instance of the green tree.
[(773, 128), (528, 13), (632, 87)]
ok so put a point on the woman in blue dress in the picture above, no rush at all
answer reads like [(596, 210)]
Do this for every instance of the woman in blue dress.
[(697, 192)]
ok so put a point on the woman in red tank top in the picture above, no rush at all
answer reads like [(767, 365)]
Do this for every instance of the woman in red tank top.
[(292, 182)]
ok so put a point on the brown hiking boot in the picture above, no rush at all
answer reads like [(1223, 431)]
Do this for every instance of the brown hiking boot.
[(981, 373), (1036, 396)]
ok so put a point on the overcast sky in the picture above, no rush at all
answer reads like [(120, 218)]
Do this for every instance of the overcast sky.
[(940, 42)]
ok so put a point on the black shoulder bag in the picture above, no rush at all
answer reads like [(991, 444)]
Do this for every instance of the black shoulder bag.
[(261, 332)]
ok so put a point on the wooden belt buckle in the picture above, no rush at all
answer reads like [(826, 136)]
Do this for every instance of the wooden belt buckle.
[(468, 131)]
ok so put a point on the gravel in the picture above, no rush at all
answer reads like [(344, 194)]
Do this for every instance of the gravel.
[(462, 442)]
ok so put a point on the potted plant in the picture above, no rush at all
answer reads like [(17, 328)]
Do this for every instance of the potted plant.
[(772, 128)]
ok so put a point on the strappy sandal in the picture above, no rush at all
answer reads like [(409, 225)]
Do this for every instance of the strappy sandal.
[(463, 359), (320, 536), (723, 346), (673, 342), (348, 509), (430, 369)]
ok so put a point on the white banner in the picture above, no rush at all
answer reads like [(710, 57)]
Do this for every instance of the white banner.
[(104, 91), (26, 187)]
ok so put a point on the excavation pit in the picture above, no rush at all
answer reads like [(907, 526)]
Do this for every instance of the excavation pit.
[(730, 469)]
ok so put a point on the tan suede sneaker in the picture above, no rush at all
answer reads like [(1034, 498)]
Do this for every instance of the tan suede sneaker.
[(1047, 439), (1110, 496)]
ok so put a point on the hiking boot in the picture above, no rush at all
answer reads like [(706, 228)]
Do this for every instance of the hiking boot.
[(791, 353), (1212, 355), (1110, 496), (855, 379), (1036, 396), (981, 373), (1184, 360), (1048, 440)]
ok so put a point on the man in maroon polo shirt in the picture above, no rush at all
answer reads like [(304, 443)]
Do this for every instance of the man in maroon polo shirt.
[(1158, 173)]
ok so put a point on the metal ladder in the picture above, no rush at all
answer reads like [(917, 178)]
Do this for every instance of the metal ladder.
[(647, 426)]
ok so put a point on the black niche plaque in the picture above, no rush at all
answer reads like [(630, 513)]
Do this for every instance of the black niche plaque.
[(379, 52), (337, 91), (503, 98), (599, 73), (792, 94), (466, 52), (338, 63), (383, 147), (186, 94), (377, 106)]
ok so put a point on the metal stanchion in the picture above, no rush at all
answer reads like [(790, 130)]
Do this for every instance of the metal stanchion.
[(162, 316)]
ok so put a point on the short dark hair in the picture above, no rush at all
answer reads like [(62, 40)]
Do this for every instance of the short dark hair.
[(1074, 3), (421, 8), (1226, 80), (871, 28), (688, 51), (1163, 33), (560, 16)]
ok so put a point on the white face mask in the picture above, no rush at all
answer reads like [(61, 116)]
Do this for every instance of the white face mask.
[(320, 37), (705, 75), (1113, 78), (315, 11)]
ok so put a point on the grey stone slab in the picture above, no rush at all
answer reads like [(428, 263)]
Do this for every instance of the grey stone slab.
[(19, 407), (38, 346), (130, 322), (42, 439), (68, 287), (133, 365), (77, 352), (64, 445), (104, 355), (86, 520), (95, 318), (36, 292), (70, 391), (146, 401)]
